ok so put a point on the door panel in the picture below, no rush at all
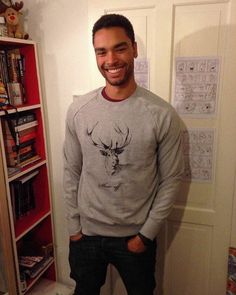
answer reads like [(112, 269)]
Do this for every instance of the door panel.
[(193, 245), (190, 250), (201, 30)]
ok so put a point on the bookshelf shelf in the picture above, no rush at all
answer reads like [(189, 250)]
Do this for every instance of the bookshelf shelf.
[(31, 283), (13, 42), (25, 204), (26, 170), (21, 109), (29, 223)]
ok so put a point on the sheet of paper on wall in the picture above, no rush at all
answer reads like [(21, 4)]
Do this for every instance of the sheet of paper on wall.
[(141, 72), (196, 85), (199, 154)]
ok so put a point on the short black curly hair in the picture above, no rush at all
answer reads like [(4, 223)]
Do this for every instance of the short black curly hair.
[(114, 20)]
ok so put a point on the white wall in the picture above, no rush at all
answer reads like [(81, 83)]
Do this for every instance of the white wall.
[(60, 28)]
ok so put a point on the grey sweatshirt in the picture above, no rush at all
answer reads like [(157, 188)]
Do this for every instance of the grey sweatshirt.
[(123, 164)]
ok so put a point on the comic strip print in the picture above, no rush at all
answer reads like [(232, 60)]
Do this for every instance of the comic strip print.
[(198, 153), (196, 86)]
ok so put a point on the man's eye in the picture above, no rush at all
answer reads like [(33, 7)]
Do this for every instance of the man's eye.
[(101, 53), (121, 49)]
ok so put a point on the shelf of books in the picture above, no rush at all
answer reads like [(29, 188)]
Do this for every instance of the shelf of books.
[(24, 165)]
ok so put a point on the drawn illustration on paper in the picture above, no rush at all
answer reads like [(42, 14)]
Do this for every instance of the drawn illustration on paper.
[(198, 154), (141, 72), (196, 86)]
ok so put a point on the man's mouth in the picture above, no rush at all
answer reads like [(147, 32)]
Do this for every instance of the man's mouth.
[(114, 71)]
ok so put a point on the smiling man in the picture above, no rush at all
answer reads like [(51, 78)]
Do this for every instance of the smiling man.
[(123, 168), (115, 54)]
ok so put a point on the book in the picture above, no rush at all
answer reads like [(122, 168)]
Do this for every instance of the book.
[(12, 75), (26, 126), (21, 70), (29, 161), (3, 93), (12, 65), (22, 194), (27, 177), (15, 93), (3, 67), (22, 151), (37, 268), (29, 261), (11, 171), (13, 202), (13, 148), (8, 135), (19, 128), (19, 63), (22, 118), (21, 158), (11, 142)]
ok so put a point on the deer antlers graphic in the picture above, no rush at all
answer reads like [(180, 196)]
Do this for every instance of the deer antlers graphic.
[(112, 150)]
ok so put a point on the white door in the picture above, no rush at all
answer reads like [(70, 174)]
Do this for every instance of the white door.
[(194, 242)]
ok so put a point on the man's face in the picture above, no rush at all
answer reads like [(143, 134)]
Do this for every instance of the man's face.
[(115, 55)]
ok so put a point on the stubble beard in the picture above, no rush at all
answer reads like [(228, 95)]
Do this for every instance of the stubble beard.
[(122, 82)]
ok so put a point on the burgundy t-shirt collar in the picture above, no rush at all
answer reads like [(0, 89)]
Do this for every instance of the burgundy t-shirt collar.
[(109, 98)]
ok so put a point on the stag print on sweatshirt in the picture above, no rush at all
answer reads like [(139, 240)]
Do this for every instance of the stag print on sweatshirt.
[(110, 146)]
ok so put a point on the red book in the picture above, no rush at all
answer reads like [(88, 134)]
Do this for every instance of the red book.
[(21, 133), (9, 142), (10, 149), (21, 152), (22, 158)]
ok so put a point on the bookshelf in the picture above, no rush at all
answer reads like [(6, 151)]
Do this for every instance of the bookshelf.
[(26, 220)]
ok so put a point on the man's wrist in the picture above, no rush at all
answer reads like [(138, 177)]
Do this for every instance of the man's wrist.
[(144, 239)]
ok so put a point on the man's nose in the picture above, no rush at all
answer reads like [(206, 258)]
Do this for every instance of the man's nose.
[(111, 57)]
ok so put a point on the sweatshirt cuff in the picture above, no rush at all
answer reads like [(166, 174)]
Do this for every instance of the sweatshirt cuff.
[(150, 229), (144, 239), (74, 227)]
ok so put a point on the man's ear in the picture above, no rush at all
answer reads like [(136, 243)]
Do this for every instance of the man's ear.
[(135, 47)]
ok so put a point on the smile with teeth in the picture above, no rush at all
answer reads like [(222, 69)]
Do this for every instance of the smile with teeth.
[(114, 71)]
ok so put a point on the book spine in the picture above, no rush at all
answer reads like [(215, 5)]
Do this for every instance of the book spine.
[(24, 118), (11, 142), (23, 196), (23, 144), (21, 151)]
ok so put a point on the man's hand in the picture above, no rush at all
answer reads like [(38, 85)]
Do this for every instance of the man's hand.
[(77, 237), (136, 245)]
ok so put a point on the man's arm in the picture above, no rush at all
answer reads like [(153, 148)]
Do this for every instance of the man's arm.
[(170, 170), (72, 172)]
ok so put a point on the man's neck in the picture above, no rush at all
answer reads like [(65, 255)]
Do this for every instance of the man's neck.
[(119, 92)]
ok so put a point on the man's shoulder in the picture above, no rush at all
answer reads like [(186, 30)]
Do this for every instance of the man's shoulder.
[(81, 101), (153, 100)]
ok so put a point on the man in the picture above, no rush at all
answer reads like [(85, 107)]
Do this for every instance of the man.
[(123, 167)]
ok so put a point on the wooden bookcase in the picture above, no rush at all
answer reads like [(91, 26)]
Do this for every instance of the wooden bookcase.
[(31, 231)]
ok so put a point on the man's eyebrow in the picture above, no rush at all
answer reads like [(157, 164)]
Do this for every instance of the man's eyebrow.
[(121, 44), (99, 49)]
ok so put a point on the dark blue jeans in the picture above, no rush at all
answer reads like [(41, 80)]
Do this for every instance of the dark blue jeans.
[(90, 256)]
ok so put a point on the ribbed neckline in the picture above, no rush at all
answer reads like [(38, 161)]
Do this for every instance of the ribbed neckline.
[(109, 101), (104, 94)]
